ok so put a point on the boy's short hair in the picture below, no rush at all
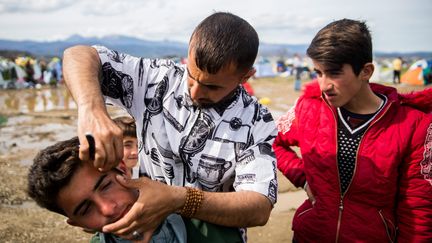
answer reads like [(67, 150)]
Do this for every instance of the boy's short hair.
[(342, 42), (222, 39), (52, 170), (127, 124)]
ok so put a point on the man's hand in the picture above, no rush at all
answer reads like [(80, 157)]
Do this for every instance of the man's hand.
[(155, 202), (108, 138)]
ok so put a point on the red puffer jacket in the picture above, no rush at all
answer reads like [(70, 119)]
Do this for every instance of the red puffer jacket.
[(390, 195)]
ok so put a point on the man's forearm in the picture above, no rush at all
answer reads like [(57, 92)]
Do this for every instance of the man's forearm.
[(235, 209), (81, 69)]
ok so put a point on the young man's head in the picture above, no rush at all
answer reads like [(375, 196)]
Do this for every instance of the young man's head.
[(222, 51), (342, 56), (130, 143), (60, 182)]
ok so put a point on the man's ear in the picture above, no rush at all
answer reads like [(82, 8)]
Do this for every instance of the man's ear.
[(248, 75), (367, 71), (71, 222)]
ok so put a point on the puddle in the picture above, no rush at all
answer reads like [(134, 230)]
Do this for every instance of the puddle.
[(36, 100)]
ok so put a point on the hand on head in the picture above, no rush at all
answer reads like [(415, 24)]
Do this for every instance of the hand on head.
[(108, 138), (155, 202)]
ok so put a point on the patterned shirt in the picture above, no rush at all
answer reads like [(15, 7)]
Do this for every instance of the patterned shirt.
[(351, 128), (224, 148)]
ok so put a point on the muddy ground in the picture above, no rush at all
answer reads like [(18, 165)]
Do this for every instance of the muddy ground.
[(32, 119)]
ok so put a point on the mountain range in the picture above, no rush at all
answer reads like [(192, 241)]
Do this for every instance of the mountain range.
[(130, 45), (151, 49)]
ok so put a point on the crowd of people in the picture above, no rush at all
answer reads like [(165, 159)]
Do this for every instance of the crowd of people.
[(208, 151), (28, 72)]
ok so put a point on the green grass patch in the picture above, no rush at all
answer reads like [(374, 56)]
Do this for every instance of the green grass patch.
[(3, 120)]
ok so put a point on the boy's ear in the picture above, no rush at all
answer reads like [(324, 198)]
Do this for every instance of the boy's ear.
[(71, 222), (122, 166), (248, 75), (124, 170), (367, 71)]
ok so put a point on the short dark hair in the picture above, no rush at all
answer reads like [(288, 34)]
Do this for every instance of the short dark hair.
[(344, 41), (221, 39), (52, 169), (127, 124)]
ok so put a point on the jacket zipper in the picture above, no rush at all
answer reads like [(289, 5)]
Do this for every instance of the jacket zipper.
[(337, 168), (341, 206), (339, 219)]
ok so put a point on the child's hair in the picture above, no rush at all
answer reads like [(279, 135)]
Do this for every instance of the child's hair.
[(127, 124), (52, 170)]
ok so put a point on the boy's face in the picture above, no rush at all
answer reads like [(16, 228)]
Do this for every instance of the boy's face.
[(130, 151), (93, 199), (340, 87)]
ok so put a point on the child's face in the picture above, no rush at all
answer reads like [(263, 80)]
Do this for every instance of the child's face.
[(130, 151)]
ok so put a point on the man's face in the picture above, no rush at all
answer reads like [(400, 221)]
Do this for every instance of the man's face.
[(93, 199), (130, 151), (339, 87), (207, 90)]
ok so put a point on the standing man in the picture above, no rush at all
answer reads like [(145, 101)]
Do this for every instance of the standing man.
[(198, 128), (397, 67), (366, 151), (298, 69)]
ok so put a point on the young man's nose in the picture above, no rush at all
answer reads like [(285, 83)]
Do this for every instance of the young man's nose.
[(107, 207), (324, 83)]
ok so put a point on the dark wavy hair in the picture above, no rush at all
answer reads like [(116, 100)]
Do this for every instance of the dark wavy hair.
[(52, 170), (344, 41)]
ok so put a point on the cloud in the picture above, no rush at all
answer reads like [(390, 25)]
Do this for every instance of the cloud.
[(113, 7), (23, 6), (284, 23)]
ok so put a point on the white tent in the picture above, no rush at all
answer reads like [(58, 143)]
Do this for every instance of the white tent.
[(381, 75), (264, 68)]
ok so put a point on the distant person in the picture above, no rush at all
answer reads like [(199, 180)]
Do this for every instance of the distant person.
[(366, 152), (60, 182), (397, 68), (130, 143), (199, 130), (298, 69)]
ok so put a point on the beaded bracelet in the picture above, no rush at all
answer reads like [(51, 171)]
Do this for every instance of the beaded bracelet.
[(194, 198)]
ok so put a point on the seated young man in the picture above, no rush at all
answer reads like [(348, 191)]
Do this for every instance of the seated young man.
[(60, 182)]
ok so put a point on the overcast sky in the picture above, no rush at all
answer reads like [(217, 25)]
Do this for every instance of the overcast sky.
[(396, 25)]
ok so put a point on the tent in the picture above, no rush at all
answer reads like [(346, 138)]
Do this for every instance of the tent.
[(419, 73), (381, 74), (264, 68)]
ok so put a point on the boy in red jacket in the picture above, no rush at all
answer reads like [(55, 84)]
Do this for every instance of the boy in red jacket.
[(366, 151)]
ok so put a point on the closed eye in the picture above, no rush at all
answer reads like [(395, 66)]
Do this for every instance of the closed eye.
[(106, 186), (86, 209)]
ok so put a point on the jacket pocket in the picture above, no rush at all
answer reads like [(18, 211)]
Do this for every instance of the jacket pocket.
[(304, 209), (389, 226), (301, 217)]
